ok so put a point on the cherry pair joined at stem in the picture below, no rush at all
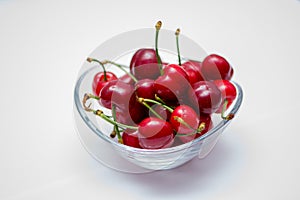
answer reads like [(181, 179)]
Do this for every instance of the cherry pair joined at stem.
[(101, 78)]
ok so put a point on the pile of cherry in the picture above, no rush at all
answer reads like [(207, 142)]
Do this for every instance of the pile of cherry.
[(156, 102)]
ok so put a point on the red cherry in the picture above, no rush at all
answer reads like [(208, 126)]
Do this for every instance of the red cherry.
[(130, 138), (116, 92), (207, 95), (162, 88), (145, 88), (144, 64), (166, 88), (184, 119), (99, 81), (206, 119), (172, 85), (175, 70), (101, 78), (106, 93), (196, 64), (192, 70), (216, 67), (228, 91), (127, 79), (191, 100), (133, 115), (155, 133)]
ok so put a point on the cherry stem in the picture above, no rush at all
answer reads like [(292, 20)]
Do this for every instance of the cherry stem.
[(159, 99), (159, 103), (157, 27), (113, 134), (84, 100), (142, 101), (181, 121), (230, 115), (198, 131), (116, 127), (93, 96), (177, 45), (121, 67), (101, 64), (201, 126), (102, 115)]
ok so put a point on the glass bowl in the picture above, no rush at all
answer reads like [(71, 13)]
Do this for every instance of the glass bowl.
[(94, 132)]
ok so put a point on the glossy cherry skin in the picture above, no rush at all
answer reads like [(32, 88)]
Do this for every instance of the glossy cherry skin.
[(192, 70), (175, 70), (208, 125), (143, 64), (188, 115), (196, 64), (145, 88), (216, 67), (116, 92), (130, 138), (228, 91), (167, 89), (99, 81), (191, 100), (155, 133), (172, 85), (127, 79), (133, 115), (207, 95)]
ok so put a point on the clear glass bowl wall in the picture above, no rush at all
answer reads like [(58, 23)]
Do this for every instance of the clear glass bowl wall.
[(94, 132)]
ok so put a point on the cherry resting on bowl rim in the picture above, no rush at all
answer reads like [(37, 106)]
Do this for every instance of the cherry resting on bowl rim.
[(228, 91), (207, 95), (216, 67)]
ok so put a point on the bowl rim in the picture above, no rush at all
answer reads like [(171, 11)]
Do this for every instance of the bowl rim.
[(93, 127)]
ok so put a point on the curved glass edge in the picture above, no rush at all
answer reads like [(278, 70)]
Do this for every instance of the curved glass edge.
[(95, 130), (125, 166), (81, 110), (234, 111)]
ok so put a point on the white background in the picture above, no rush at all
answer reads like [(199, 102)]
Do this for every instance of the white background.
[(42, 47)]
